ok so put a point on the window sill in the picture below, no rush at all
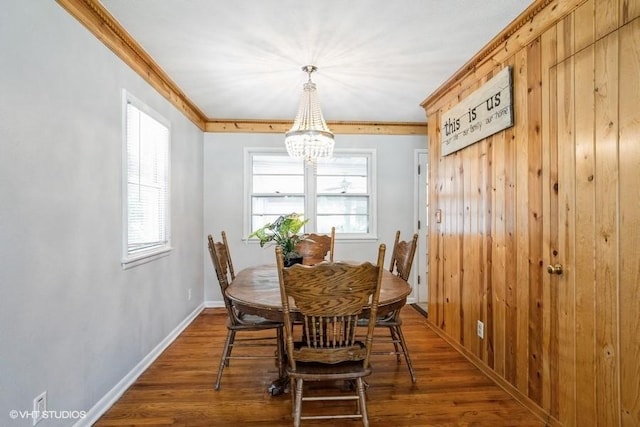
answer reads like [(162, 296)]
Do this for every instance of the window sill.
[(143, 258)]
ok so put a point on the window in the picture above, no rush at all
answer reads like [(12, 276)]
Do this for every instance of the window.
[(145, 184), (337, 192)]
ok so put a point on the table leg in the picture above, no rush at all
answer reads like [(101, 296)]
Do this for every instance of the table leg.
[(279, 385)]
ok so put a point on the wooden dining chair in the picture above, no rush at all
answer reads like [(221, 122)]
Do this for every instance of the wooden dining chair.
[(400, 265), (315, 248), (330, 298), (237, 321)]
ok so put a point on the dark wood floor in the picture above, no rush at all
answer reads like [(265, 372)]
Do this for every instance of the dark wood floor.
[(177, 390)]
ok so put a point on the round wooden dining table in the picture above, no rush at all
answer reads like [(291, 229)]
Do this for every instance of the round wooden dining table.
[(256, 290)]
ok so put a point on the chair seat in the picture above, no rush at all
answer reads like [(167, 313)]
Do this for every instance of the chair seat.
[(388, 320), (251, 321), (322, 371)]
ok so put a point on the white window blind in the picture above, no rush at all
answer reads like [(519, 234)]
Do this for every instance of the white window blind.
[(277, 187), (339, 192), (147, 185), (343, 194)]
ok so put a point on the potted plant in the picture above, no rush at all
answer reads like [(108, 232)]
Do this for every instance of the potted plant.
[(284, 231)]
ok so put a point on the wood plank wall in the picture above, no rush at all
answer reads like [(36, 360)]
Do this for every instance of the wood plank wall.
[(562, 186)]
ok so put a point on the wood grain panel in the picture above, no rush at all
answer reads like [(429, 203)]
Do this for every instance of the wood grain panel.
[(566, 239), (444, 207), (584, 25), (499, 253), (554, 249), (629, 10), (473, 286), (470, 280), (565, 46), (521, 280), (584, 235), (510, 272), (607, 17), (629, 196), (606, 229), (535, 356), (457, 258), (486, 216), (475, 240), (452, 248), (549, 210)]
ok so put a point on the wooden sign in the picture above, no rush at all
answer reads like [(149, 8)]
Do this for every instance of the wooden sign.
[(488, 110)]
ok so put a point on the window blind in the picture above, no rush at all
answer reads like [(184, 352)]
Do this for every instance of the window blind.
[(147, 170)]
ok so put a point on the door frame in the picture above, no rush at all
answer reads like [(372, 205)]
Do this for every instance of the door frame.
[(420, 270)]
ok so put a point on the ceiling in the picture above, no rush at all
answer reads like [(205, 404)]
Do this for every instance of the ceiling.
[(377, 59)]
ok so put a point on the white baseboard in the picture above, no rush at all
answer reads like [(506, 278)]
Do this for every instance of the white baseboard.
[(213, 304), (118, 390)]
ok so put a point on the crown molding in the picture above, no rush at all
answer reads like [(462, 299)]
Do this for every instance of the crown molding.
[(337, 127), (108, 30)]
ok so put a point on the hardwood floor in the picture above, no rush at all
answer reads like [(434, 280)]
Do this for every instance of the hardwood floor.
[(177, 390)]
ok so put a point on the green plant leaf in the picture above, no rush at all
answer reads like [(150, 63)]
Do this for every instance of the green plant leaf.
[(284, 231)]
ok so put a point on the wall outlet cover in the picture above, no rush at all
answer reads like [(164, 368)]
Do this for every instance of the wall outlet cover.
[(39, 407), (480, 329)]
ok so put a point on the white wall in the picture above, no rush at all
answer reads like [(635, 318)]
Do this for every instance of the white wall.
[(72, 321), (223, 196)]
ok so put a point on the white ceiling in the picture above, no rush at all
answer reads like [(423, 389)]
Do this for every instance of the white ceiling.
[(377, 59)]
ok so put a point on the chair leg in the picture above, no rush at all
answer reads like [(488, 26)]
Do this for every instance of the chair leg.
[(405, 351), (280, 356), (362, 402), (292, 393), (395, 339), (224, 358), (297, 408)]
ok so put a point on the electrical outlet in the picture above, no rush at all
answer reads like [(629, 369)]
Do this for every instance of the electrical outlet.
[(189, 294), (39, 407), (480, 329)]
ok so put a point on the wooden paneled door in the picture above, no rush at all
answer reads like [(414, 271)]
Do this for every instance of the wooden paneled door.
[(592, 227)]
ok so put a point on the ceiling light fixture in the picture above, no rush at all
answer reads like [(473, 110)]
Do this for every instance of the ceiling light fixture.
[(309, 138)]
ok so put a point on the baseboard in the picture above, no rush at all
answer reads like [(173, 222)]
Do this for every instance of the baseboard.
[(533, 407), (118, 390), (420, 310), (213, 304)]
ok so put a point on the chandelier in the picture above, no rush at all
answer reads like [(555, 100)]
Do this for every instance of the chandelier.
[(309, 139)]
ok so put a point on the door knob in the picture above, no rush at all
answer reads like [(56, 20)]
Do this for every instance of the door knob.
[(554, 269)]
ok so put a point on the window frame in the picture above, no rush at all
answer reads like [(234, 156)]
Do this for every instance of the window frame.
[(310, 195), (133, 258)]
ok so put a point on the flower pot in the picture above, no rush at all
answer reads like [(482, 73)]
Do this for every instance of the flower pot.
[(291, 261)]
